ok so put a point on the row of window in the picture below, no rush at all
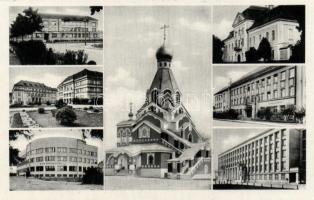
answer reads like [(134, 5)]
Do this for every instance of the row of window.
[(61, 150), (63, 158), (58, 168)]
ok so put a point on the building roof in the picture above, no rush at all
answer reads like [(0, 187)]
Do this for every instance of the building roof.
[(32, 84), (84, 72), (251, 75), (164, 79), (231, 34), (135, 149), (254, 12), (126, 122), (245, 141), (287, 12), (66, 17)]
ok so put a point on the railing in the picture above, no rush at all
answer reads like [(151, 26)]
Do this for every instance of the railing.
[(163, 141), (196, 166)]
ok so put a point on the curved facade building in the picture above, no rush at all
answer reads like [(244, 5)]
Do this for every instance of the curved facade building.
[(58, 157)]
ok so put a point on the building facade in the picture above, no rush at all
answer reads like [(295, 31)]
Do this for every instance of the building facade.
[(161, 140), (58, 27), (274, 87), (28, 92), (275, 156), (58, 157), (276, 24), (85, 85)]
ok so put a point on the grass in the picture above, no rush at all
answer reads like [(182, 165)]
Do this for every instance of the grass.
[(84, 119)]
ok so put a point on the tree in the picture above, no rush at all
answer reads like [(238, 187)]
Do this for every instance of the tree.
[(26, 24), (34, 21), (94, 9), (217, 50), (264, 50), (66, 116), (251, 55)]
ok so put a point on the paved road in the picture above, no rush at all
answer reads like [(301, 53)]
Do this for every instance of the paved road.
[(221, 123), (139, 183)]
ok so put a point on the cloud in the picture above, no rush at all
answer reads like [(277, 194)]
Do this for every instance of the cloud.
[(122, 77), (223, 28), (178, 66), (196, 26)]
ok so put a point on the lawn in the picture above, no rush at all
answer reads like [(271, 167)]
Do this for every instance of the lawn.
[(84, 119), (21, 183)]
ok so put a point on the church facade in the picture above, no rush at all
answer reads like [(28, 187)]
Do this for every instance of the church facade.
[(255, 23), (160, 140)]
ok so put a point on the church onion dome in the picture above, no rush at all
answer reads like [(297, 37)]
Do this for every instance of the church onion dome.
[(163, 54)]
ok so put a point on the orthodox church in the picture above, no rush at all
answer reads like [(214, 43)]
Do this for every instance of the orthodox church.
[(160, 140)]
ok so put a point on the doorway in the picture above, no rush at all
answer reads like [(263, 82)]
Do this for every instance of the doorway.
[(239, 58)]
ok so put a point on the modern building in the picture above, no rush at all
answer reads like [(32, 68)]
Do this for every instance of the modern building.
[(275, 23), (57, 27), (85, 85), (274, 87), (161, 140), (275, 156), (28, 92), (58, 157)]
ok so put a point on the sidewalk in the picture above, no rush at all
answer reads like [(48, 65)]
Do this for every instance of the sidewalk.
[(263, 123)]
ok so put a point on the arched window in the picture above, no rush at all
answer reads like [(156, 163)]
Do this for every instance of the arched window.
[(167, 92), (154, 96), (150, 159), (177, 97), (190, 138), (144, 132)]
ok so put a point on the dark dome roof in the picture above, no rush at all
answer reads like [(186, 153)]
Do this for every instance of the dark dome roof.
[(163, 54)]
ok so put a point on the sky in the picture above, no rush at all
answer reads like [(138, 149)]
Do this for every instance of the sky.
[(223, 17), (21, 142), (133, 35), (225, 139), (69, 10), (50, 76), (223, 74)]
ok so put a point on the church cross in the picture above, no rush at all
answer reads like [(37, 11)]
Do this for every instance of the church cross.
[(164, 27)]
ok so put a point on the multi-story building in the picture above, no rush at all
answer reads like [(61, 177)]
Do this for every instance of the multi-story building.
[(162, 141), (275, 156), (276, 24), (28, 92), (274, 87), (58, 157), (57, 27), (85, 84)]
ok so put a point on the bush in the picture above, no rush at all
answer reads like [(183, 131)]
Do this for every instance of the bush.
[(299, 115), (85, 108), (251, 55), (60, 103), (53, 112), (16, 121), (48, 103), (96, 110), (228, 114), (33, 52), (38, 103), (41, 110), (288, 113), (66, 116), (93, 176), (268, 114), (74, 57), (91, 107)]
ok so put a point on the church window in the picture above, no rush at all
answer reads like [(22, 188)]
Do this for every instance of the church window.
[(144, 132), (150, 159), (167, 92), (190, 138), (154, 96), (177, 97)]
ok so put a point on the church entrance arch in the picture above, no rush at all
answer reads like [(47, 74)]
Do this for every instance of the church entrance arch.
[(123, 162)]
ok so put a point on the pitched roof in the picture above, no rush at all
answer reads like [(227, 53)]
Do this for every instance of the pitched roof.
[(84, 72), (65, 17), (287, 12), (251, 75), (33, 84), (164, 79)]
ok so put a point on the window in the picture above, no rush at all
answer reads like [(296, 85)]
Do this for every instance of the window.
[(39, 159), (39, 168), (50, 150), (291, 91), (62, 168), (267, 35), (73, 150), (273, 36), (283, 76), (40, 150), (283, 92), (291, 73), (144, 132), (268, 96), (50, 168), (72, 168), (275, 94), (61, 149), (49, 158)]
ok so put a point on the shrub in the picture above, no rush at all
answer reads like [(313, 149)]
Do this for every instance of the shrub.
[(96, 110), (53, 112), (251, 55), (85, 108), (16, 121), (60, 103), (288, 113), (66, 116), (48, 103), (268, 114), (74, 57), (41, 110), (91, 107), (38, 103), (228, 114), (93, 176)]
